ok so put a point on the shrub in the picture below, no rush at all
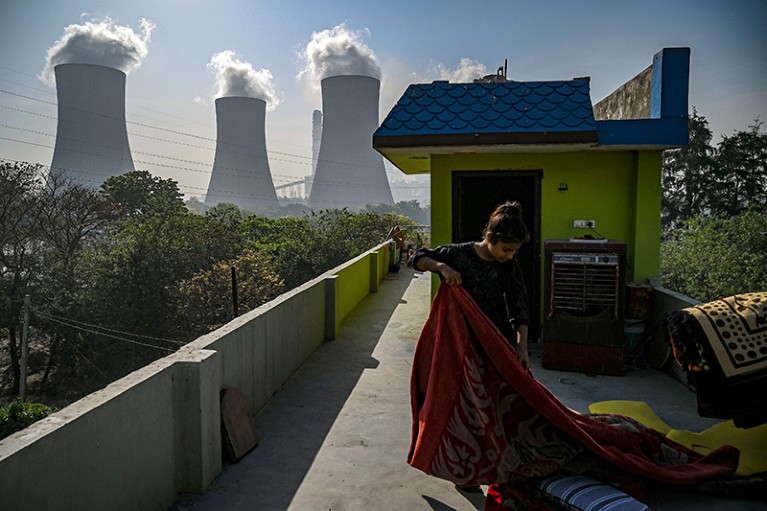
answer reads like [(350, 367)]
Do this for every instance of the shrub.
[(714, 257), (16, 416)]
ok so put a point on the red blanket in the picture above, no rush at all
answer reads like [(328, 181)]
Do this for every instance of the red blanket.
[(480, 418)]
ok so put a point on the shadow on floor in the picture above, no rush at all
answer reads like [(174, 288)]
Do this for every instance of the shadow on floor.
[(295, 422)]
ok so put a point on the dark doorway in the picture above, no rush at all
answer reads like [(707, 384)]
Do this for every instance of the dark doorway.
[(475, 196)]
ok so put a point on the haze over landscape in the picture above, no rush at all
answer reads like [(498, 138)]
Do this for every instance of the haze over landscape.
[(180, 56)]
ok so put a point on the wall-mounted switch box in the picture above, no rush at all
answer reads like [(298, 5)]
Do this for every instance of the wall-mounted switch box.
[(584, 224)]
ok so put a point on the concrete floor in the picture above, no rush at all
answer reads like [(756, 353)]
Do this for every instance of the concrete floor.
[(336, 436)]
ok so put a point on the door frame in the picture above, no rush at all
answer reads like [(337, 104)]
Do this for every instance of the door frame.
[(531, 202)]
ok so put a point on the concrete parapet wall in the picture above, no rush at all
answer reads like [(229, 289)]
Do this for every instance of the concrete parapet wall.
[(632, 100), (665, 301), (144, 439)]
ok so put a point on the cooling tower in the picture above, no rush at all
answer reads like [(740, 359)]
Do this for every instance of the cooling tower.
[(241, 173), (91, 138), (316, 138), (349, 172)]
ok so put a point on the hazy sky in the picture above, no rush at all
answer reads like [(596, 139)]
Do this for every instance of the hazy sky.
[(264, 47)]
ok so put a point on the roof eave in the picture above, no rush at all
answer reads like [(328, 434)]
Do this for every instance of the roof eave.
[(484, 139)]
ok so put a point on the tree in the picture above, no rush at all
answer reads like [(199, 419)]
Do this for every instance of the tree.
[(741, 161), (44, 225), (140, 193), (288, 242), (205, 300), (20, 188), (700, 179), (688, 175), (135, 270), (195, 205), (713, 257), (71, 216), (411, 209), (303, 248)]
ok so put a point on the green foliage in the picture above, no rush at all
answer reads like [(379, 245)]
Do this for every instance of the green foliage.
[(195, 205), (741, 182), (205, 300), (410, 209), (134, 259), (714, 257), (688, 175), (140, 193), (16, 416), (726, 180), (303, 248)]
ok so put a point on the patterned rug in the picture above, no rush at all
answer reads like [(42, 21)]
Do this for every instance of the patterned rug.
[(736, 329), (480, 418)]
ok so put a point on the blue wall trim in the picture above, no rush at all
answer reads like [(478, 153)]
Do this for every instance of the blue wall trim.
[(670, 83), (644, 132)]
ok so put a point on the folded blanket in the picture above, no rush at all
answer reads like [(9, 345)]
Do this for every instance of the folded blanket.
[(480, 418), (736, 329), (722, 345)]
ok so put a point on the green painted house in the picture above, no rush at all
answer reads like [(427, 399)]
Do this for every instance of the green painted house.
[(548, 146)]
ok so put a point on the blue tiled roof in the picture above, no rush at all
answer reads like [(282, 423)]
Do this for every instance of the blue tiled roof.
[(442, 108)]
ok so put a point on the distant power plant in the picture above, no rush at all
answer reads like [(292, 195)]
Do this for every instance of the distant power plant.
[(241, 172), (92, 141), (91, 136), (316, 138), (349, 172)]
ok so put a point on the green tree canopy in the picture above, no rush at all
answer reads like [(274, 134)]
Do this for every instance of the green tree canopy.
[(726, 180), (688, 175), (741, 179), (718, 256), (140, 193)]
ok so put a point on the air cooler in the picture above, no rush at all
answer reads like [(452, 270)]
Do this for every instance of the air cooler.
[(584, 304)]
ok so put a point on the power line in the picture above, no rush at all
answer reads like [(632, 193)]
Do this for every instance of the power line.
[(102, 334), (198, 137), (102, 373), (50, 315), (275, 177)]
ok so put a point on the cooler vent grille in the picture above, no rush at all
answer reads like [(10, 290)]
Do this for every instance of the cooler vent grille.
[(585, 283)]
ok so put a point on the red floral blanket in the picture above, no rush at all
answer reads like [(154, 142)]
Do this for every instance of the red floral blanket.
[(480, 418)]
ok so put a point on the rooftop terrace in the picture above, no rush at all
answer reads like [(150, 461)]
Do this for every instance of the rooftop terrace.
[(336, 435)]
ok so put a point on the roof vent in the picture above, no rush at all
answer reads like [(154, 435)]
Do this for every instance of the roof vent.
[(498, 77)]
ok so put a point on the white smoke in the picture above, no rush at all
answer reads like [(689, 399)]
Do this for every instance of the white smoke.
[(466, 71), (337, 51), (235, 77), (99, 42)]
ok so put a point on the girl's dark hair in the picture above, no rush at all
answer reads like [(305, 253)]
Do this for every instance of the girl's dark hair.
[(506, 225)]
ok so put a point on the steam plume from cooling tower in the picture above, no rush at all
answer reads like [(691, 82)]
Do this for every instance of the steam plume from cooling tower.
[(235, 77), (337, 51), (103, 43), (466, 71)]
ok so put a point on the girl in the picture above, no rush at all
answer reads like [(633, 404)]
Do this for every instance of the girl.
[(490, 272)]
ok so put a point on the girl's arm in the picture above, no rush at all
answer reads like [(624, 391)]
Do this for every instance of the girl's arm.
[(426, 263)]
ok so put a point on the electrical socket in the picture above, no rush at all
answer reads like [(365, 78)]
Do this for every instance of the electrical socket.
[(584, 224)]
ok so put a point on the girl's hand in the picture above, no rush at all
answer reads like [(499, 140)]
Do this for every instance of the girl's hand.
[(522, 354), (524, 358), (451, 276)]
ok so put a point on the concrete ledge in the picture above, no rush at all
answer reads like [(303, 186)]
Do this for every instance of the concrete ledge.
[(156, 433)]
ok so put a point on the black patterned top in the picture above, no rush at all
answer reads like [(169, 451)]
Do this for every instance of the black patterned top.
[(498, 288)]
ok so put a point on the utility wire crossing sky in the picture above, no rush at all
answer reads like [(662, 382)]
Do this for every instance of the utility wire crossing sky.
[(181, 56)]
